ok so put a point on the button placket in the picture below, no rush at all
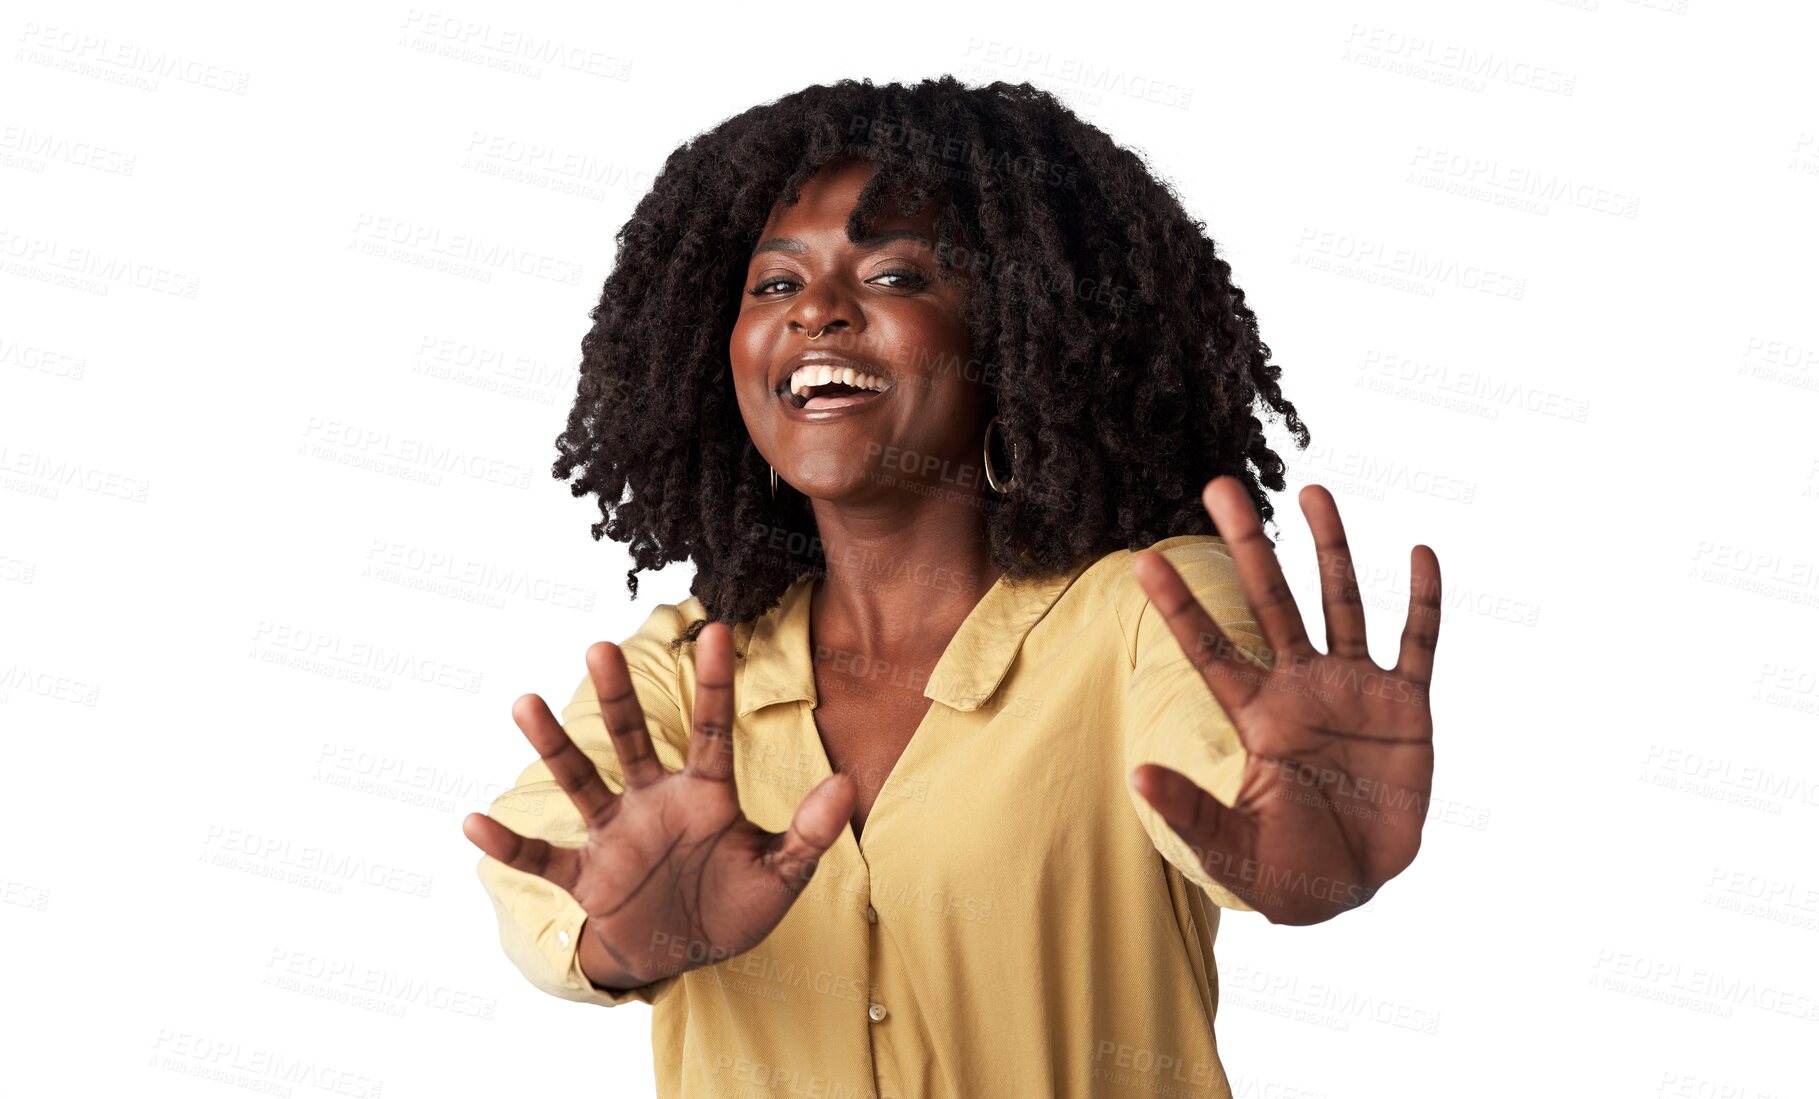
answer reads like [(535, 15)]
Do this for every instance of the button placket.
[(875, 1011)]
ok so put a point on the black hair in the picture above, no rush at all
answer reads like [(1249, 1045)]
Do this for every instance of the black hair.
[(1122, 358)]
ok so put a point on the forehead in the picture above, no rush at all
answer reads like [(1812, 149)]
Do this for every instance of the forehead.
[(829, 196)]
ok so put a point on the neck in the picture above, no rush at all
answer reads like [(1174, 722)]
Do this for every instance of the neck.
[(901, 579)]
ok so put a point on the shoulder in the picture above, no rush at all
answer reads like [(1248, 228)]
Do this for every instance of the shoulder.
[(1203, 560), (662, 675), (648, 655), (1206, 566)]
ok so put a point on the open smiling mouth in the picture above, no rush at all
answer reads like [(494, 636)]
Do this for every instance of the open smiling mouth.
[(818, 390)]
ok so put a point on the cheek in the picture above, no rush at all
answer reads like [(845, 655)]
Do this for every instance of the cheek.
[(742, 346), (747, 355), (760, 422), (948, 417)]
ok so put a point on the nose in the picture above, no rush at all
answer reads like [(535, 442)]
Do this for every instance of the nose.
[(824, 307)]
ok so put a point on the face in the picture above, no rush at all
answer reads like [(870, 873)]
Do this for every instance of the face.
[(880, 309)]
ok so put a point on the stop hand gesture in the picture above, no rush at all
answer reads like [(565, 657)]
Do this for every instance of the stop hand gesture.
[(1340, 752), (673, 876)]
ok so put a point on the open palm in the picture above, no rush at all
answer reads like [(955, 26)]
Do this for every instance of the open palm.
[(1340, 752), (673, 875)]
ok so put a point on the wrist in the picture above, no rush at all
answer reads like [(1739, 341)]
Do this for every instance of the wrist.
[(599, 967)]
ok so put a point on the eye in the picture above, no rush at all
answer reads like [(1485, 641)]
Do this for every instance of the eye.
[(914, 277), (758, 290), (917, 281)]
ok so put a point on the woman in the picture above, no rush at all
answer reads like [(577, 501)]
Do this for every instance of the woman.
[(971, 725)]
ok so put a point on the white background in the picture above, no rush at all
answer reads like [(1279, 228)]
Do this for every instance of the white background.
[(1593, 394)]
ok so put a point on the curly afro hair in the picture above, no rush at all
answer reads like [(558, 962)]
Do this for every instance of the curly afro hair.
[(1123, 360)]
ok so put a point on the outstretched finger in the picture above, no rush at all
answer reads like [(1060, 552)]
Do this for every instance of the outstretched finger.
[(1232, 680), (568, 764), (560, 865), (710, 742), (818, 822), (1344, 611), (1422, 632), (1260, 574), (623, 715)]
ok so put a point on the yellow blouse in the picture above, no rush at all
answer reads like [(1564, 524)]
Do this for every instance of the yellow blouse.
[(1016, 920)]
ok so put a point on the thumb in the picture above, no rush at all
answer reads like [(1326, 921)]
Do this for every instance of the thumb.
[(818, 822), (1217, 833)]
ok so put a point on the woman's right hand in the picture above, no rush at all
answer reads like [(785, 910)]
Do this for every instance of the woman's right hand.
[(673, 876)]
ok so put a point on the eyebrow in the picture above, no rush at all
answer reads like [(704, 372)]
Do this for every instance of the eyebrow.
[(794, 245)]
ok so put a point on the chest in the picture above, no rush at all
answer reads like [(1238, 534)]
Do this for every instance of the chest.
[(866, 722)]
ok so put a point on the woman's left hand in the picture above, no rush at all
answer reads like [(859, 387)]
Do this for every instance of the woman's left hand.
[(1340, 751)]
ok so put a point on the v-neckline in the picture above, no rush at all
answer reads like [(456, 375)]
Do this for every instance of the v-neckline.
[(814, 728)]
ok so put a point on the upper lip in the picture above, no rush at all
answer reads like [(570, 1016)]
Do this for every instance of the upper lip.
[(817, 357)]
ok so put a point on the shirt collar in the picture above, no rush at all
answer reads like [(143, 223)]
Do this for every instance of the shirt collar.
[(778, 667)]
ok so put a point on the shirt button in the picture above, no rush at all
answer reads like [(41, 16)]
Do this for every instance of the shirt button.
[(871, 914), (877, 1013), (562, 938)]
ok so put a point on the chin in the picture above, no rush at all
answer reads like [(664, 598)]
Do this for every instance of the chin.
[(846, 485)]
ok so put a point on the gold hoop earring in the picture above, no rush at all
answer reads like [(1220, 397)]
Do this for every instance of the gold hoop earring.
[(991, 477), (773, 483)]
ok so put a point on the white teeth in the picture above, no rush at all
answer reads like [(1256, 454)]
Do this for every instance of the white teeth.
[(814, 374)]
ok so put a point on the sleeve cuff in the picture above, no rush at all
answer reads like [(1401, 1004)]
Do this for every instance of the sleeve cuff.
[(540, 929), (565, 946)]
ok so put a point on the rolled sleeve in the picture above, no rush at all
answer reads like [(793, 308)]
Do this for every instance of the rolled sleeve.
[(540, 929)]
